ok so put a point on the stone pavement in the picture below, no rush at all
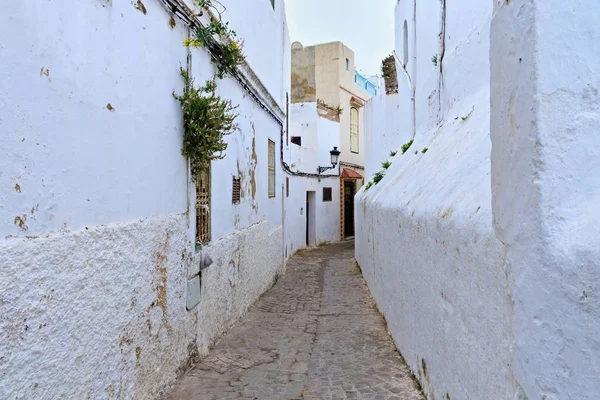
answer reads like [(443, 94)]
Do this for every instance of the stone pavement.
[(315, 335)]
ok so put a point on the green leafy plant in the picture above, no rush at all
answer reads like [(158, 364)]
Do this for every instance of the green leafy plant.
[(406, 146), (424, 150), (207, 118), (216, 36), (393, 153), (386, 164), (466, 117), (390, 75), (339, 110), (375, 180), (378, 177), (434, 60)]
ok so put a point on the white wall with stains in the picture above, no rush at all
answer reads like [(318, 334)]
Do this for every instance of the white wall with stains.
[(97, 211), (546, 190), (319, 136), (326, 214), (481, 252), (425, 239), (382, 114)]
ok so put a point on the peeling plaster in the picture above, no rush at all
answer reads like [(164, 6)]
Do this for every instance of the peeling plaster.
[(121, 264)]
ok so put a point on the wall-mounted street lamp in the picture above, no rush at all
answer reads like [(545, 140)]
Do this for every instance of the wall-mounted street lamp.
[(335, 156)]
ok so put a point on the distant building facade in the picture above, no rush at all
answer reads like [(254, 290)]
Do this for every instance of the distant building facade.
[(324, 77)]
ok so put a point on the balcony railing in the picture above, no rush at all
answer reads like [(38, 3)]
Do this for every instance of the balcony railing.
[(365, 84)]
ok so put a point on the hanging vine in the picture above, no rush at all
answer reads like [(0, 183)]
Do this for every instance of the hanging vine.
[(227, 52), (207, 118)]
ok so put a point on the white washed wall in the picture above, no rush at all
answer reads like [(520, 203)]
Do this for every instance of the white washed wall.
[(319, 136), (546, 190), (92, 297), (327, 213), (425, 239), (388, 126)]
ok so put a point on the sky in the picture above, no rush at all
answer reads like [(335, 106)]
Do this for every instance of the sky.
[(367, 27)]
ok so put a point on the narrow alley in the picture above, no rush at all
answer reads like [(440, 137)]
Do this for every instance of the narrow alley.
[(315, 335)]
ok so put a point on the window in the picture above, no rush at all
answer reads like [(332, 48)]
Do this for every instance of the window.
[(405, 43), (287, 187), (236, 191), (354, 130), (327, 194), (203, 207), (347, 64), (273, 4), (297, 140), (271, 168)]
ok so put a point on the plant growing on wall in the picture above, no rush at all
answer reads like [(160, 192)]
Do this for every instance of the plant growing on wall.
[(339, 110), (466, 117), (375, 180), (227, 52), (406, 146), (390, 75), (207, 118)]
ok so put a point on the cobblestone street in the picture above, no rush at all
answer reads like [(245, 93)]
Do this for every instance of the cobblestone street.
[(315, 335)]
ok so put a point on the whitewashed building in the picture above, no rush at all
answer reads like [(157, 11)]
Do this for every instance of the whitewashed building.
[(312, 208), (480, 242), (101, 295), (327, 99)]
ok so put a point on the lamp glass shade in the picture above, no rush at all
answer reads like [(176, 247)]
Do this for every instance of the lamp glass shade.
[(335, 156)]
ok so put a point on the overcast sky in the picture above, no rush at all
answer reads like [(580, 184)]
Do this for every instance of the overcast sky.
[(366, 26)]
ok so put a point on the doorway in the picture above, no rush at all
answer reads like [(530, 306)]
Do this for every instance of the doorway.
[(349, 192), (311, 216)]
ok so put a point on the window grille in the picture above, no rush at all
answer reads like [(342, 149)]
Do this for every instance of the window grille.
[(236, 190), (203, 207), (327, 194), (354, 130), (271, 168)]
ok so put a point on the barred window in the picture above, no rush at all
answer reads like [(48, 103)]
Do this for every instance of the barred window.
[(354, 130), (203, 207), (271, 168), (236, 190)]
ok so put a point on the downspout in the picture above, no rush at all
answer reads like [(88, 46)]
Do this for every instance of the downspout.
[(441, 60), (414, 74)]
